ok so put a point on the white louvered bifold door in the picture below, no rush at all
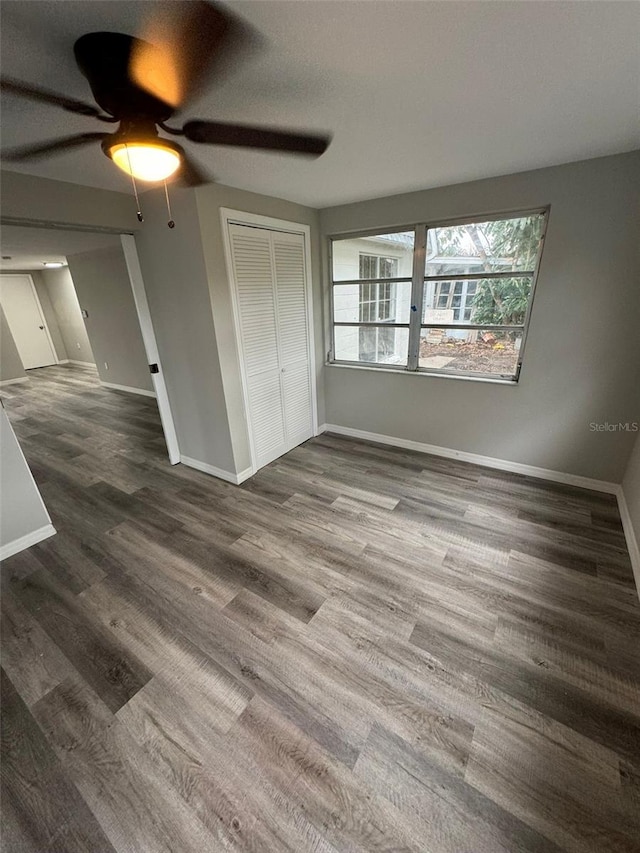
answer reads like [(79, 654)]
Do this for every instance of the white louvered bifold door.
[(256, 300), (270, 282), (293, 336)]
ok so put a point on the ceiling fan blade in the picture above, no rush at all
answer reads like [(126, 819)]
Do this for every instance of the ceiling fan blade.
[(190, 174), (36, 93), (179, 48), (53, 146), (273, 139)]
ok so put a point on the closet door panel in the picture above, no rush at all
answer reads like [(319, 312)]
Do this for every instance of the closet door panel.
[(266, 416), (256, 300), (293, 335), (296, 386)]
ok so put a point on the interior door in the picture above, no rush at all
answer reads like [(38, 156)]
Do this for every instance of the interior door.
[(270, 291), (26, 321), (150, 345)]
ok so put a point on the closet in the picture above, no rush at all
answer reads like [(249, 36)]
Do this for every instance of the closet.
[(270, 300)]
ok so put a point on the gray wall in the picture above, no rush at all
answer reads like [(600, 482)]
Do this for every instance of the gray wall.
[(175, 280), (62, 294), (22, 510), (11, 366), (631, 488), (582, 363), (104, 290), (44, 200), (190, 300)]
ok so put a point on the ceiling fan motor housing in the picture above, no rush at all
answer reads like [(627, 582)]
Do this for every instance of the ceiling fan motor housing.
[(104, 59)]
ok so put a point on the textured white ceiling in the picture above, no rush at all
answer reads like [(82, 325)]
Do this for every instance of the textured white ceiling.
[(417, 94), (29, 248)]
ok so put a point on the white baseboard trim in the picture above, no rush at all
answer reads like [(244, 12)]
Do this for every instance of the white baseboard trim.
[(80, 363), (477, 459), (229, 476), (13, 381), (244, 475), (630, 535), (27, 541), (140, 391)]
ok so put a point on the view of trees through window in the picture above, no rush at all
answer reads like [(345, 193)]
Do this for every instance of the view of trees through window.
[(477, 289)]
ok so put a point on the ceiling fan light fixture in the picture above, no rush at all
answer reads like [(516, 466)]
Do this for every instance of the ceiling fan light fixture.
[(146, 161)]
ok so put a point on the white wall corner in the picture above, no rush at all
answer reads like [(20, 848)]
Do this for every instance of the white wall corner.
[(228, 476), (244, 475), (632, 543), (27, 541)]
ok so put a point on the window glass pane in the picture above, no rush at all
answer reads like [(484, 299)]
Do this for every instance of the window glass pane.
[(388, 267), (494, 301), (367, 267), (379, 256), (372, 303), (502, 245), (471, 351), (377, 345)]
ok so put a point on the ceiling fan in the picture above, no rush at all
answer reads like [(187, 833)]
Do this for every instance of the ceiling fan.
[(140, 83)]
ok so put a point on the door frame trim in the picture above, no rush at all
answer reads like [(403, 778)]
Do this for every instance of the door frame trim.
[(6, 273), (228, 217)]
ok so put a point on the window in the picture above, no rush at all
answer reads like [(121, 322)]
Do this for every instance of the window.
[(376, 302), (462, 311), (377, 306)]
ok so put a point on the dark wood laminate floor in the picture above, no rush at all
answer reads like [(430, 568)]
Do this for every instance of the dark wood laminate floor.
[(360, 649)]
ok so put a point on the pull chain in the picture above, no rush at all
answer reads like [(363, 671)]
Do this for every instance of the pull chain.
[(170, 223), (135, 189)]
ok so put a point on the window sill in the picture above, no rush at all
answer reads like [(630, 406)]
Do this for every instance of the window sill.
[(424, 373)]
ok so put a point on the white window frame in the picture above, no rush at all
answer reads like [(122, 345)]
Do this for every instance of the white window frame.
[(415, 326)]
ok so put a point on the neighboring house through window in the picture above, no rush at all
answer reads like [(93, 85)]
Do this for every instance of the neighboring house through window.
[(464, 310), (377, 306)]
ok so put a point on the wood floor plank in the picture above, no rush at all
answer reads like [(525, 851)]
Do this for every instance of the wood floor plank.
[(449, 814), (114, 674), (341, 808), (130, 800), (33, 662), (42, 810), (530, 771)]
